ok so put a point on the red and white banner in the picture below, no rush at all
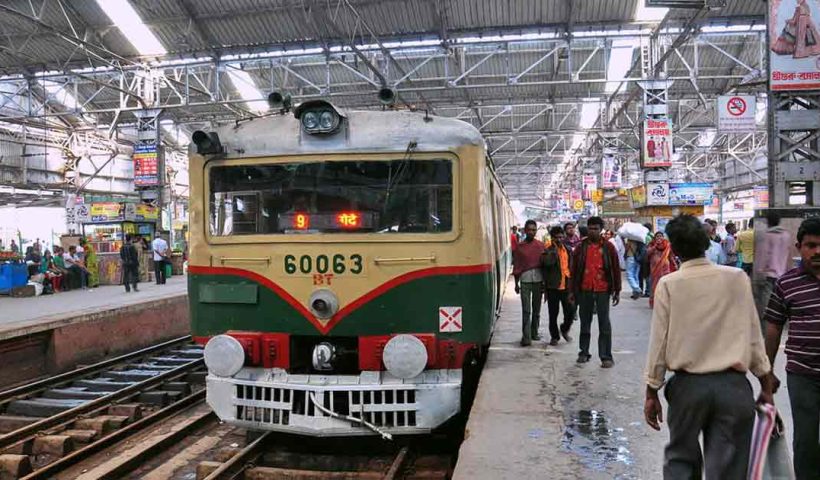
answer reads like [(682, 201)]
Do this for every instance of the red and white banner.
[(656, 147), (794, 40), (612, 168)]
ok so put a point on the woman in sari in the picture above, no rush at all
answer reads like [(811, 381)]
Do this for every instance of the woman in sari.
[(91, 263), (661, 261)]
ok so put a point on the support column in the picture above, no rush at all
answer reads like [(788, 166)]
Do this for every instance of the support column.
[(794, 148), (150, 182)]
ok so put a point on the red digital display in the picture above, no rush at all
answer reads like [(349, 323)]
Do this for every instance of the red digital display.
[(349, 219), (301, 221)]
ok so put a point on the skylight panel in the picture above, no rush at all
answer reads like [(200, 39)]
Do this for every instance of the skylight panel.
[(620, 60), (649, 14), (246, 87), (589, 114), (130, 24)]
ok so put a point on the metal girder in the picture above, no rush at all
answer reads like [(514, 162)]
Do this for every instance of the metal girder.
[(427, 70)]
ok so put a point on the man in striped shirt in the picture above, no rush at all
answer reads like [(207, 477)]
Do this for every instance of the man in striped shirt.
[(796, 300)]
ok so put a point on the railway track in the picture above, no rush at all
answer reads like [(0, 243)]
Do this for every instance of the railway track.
[(143, 415), (50, 424)]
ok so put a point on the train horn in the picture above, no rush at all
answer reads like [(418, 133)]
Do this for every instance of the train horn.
[(206, 142), (279, 100), (387, 95)]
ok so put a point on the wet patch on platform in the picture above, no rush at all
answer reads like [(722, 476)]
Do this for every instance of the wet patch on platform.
[(588, 434)]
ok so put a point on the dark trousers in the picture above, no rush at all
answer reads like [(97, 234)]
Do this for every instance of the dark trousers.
[(159, 271), (556, 299), (804, 397), (719, 405), (531, 295), (748, 268), (130, 274), (589, 302)]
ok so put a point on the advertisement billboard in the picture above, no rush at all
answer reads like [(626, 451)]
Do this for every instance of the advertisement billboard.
[(146, 166), (656, 147), (657, 193), (794, 41), (590, 182), (690, 193), (612, 169), (638, 196)]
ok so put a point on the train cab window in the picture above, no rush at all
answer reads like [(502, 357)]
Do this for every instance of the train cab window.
[(385, 197)]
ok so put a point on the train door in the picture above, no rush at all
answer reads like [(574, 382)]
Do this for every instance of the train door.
[(496, 244)]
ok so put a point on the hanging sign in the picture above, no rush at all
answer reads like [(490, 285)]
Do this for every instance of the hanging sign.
[(761, 194), (794, 41), (690, 193), (106, 212), (657, 193), (736, 113), (597, 195), (656, 147), (638, 196), (146, 166), (611, 169), (590, 184)]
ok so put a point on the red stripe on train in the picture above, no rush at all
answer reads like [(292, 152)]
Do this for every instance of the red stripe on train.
[(352, 306)]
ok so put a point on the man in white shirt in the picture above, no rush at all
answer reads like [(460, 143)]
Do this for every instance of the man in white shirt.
[(705, 330), (75, 266), (161, 258)]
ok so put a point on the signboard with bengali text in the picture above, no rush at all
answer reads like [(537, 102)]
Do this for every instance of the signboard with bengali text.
[(736, 113), (794, 43), (656, 144), (146, 166)]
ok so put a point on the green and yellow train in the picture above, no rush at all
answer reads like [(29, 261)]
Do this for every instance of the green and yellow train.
[(345, 267)]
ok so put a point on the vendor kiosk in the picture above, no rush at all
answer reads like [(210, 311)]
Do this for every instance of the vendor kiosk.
[(105, 228)]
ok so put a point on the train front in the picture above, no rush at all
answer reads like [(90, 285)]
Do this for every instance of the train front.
[(338, 271)]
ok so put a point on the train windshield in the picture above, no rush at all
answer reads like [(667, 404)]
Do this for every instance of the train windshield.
[(384, 196)]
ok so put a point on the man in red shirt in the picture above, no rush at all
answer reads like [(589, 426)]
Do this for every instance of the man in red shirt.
[(595, 278), (513, 237), (529, 282)]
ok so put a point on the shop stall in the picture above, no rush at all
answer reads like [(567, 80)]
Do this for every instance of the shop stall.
[(105, 226)]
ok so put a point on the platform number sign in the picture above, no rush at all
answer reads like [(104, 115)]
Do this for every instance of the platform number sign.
[(450, 319)]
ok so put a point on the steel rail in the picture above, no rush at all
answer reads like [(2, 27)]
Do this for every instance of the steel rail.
[(397, 464), (33, 428), (34, 387), (121, 434), (247, 454)]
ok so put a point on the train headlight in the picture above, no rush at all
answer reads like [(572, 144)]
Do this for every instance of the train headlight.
[(310, 121), (224, 355), (323, 303), (405, 356), (326, 120), (318, 117)]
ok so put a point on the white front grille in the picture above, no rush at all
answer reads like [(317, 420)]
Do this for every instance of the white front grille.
[(269, 400)]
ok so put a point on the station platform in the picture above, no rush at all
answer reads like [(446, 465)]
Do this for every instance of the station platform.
[(53, 333), (538, 414)]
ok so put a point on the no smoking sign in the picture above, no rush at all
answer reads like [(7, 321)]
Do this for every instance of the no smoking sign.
[(736, 106), (736, 113)]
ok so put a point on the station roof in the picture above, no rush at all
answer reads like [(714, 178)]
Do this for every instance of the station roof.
[(530, 74)]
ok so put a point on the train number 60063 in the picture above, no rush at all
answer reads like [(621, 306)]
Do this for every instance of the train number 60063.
[(337, 264)]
